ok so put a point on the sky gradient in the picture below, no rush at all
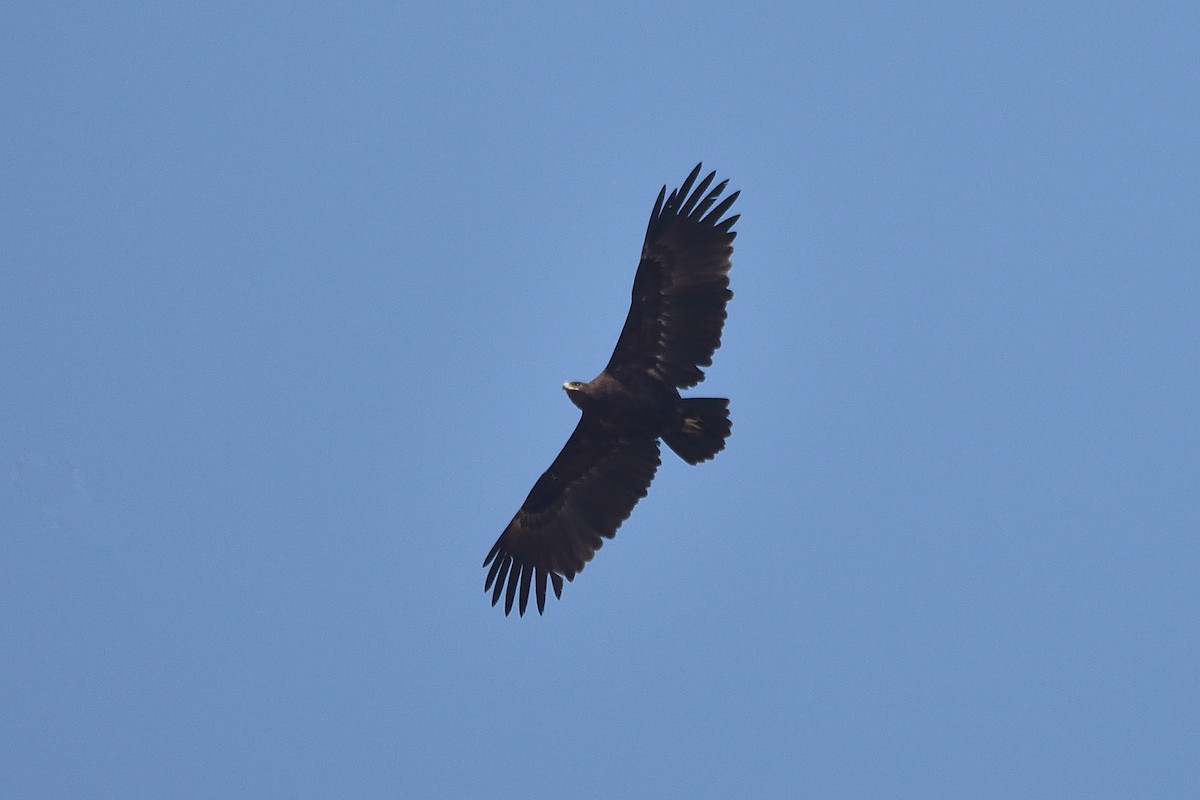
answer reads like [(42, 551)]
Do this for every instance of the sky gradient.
[(287, 297)]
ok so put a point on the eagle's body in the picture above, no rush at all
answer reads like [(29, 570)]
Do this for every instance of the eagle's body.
[(673, 328)]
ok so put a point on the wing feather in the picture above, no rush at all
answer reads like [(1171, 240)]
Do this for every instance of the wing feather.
[(677, 310), (581, 500)]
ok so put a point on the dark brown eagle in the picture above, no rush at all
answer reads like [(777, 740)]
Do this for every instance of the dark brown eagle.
[(673, 328)]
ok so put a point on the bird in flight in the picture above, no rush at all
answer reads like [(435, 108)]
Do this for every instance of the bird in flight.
[(672, 330)]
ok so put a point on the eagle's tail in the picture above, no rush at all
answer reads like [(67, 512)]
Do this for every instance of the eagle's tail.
[(699, 429)]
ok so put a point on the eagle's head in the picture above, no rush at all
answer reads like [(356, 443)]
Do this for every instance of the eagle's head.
[(574, 390)]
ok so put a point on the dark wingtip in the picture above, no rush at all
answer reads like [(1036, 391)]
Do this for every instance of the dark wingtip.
[(526, 575), (682, 192), (658, 204), (513, 579), (715, 215), (491, 576), (501, 574), (516, 581), (709, 199), (689, 208), (492, 553), (541, 591)]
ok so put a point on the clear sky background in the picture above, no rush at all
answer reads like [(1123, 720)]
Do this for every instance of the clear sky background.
[(286, 298)]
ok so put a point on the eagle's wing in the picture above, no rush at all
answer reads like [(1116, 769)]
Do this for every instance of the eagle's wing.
[(681, 288), (582, 499)]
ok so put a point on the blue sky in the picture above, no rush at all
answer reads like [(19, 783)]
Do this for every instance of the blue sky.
[(287, 295)]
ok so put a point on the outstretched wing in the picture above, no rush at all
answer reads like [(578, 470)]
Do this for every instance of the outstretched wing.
[(583, 498), (681, 288)]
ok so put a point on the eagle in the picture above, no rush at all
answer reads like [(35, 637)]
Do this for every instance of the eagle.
[(672, 330)]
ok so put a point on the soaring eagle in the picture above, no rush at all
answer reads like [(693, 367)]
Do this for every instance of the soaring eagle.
[(672, 330)]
